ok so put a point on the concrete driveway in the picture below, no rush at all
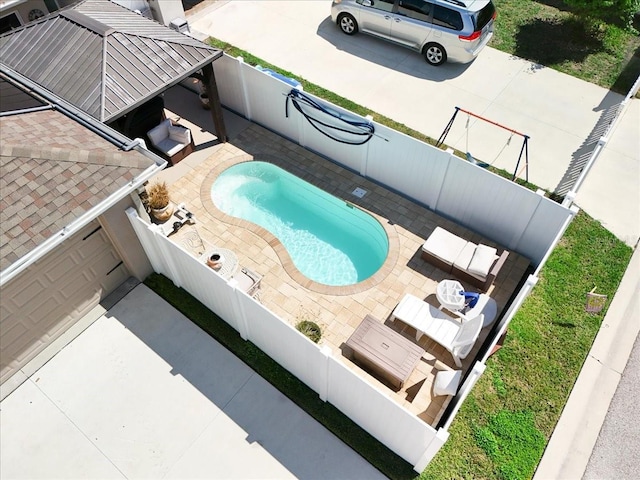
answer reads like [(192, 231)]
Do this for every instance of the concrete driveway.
[(563, 116), (144, 393)]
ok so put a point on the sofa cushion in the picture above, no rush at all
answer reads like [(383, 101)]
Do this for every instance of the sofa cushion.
[(444, 245), (180, 134), (464, 257), (169, 147), (483, 258), (159, 133)]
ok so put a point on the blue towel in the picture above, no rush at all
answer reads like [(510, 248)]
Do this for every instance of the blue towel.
[(471, 298)]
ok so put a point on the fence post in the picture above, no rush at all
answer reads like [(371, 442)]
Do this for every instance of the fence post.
[(364, 162), (434, 447), (161, 242), (145, 236), (243, 86), (323, 381), (238, 310)]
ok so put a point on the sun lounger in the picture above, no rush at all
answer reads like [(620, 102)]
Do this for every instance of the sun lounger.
[(457, 335)]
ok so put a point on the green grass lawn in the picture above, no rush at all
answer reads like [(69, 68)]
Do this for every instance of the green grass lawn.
[(548, 34)]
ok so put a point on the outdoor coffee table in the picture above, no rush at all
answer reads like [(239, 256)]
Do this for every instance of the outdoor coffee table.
[(450, 295), (384, 351)]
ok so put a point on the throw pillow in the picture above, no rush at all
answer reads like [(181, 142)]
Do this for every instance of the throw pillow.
[(447, 382), (179, 134), (158, 133)]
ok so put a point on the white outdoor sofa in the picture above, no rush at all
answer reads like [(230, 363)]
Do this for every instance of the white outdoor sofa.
[(476, 264)]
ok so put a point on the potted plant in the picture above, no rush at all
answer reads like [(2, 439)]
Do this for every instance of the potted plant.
[(204, 96), (158, 201), (204, 99), (311, 329)]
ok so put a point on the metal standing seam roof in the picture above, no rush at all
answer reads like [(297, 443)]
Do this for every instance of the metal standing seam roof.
[(103, 58)]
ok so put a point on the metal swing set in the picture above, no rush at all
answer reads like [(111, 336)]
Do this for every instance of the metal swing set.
[(523, 151)]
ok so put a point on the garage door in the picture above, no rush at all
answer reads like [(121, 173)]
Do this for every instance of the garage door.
[(51, 295)]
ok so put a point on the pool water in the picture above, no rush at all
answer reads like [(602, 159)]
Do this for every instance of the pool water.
[(329, 241)]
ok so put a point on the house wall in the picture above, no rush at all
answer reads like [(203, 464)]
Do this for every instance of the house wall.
[(496, 208), (118, 227), (23, 8), (41, 303), (164, 11)]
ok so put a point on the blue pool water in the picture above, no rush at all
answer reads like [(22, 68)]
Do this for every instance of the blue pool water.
[(329, 241)]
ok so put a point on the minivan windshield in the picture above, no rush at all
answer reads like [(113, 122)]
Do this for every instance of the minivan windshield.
[(483, 16)]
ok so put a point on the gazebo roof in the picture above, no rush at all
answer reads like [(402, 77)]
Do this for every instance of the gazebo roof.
[(103, 58)]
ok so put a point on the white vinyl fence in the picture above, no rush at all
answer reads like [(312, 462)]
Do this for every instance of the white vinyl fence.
[(513, 216), (390, 423)]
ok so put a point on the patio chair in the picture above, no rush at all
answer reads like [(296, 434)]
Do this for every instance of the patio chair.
[(248, 281), (456, 335), (171, 141)]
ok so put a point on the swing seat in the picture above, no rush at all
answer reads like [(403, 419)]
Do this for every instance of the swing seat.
[(473, 161)]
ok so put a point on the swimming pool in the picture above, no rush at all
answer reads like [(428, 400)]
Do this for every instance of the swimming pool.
[(329, 240)]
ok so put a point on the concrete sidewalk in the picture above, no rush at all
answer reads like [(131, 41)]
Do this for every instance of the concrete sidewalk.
[(561, 114), (144, 393)]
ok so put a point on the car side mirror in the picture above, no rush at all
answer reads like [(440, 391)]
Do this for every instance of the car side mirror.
[(367, 3)]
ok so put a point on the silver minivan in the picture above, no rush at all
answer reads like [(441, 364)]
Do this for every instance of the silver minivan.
[(454, 30)]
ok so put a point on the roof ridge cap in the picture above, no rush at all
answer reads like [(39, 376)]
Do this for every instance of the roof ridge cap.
[(118, 158)]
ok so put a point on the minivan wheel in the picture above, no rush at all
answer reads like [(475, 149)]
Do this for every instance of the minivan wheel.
[(434, 54), (348, 24)]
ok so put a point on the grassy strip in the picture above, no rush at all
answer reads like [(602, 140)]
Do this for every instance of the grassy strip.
[(340, 425), (549, 34), (503, 427)]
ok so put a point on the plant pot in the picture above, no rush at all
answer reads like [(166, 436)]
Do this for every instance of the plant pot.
[(215, 261), (162, 214)]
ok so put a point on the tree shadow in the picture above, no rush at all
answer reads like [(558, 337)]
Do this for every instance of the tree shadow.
[(628, 75), (557, 4), (550, 42)]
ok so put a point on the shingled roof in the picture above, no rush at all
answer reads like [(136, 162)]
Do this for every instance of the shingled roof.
[(102, 57), (54, 170)]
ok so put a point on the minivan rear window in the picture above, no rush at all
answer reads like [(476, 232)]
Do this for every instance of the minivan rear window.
[(483, 16), (445, 17)]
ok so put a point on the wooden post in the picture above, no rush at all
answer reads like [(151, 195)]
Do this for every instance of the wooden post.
[(215, 107)]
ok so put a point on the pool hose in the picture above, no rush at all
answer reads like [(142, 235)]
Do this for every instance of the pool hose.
[(364, 129)]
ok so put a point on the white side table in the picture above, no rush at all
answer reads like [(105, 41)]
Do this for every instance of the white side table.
[(449, 294)]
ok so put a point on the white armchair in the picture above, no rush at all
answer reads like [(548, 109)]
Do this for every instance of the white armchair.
[(172, 141)]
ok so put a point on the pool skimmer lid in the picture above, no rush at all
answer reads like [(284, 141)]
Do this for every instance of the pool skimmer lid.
[(359, 192)]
